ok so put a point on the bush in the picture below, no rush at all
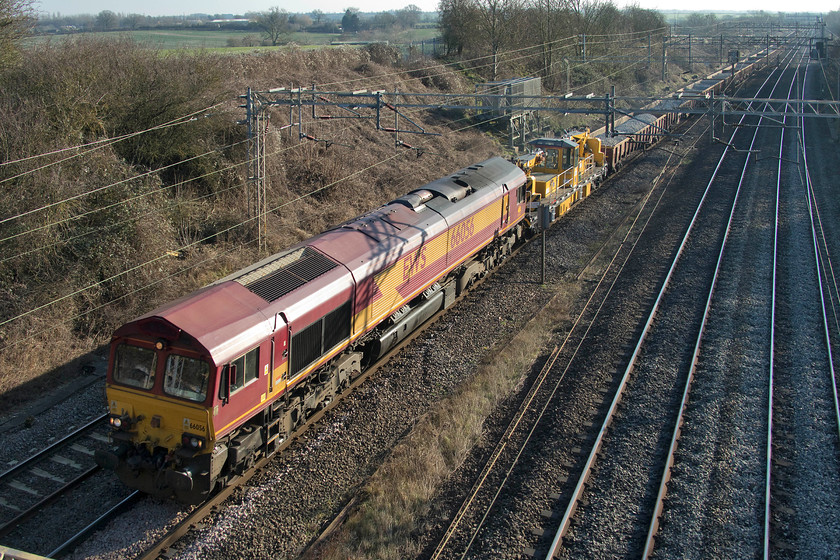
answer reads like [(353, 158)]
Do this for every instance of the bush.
[(91, 237), (387, 55)]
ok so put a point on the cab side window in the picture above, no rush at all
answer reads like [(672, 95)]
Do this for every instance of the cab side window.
[(247, 369), (551, 159), (570, 158)]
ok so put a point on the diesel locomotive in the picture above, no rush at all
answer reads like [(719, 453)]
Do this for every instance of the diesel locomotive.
[(201, 387)]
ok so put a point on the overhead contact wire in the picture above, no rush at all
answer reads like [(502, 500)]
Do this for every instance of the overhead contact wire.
[(98, 189)]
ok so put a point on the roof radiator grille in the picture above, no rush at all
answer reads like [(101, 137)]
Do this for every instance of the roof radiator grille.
[(286, 274)]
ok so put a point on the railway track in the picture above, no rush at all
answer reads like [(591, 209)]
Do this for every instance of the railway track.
[(539, 403), (804, 421), (39, 480), (178, 532), (622, 494), (97, 430), (744, 266), (193, 519), (608, 505), (714, 502), (657, 461), (36, 504)]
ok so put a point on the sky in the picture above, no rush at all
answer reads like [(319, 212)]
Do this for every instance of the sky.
[(186, 7)]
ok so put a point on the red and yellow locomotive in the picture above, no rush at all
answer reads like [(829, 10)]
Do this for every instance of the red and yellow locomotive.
[(202, 386)]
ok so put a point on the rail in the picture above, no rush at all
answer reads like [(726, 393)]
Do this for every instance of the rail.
[(75, 540), (25, 463), (771, 372), (653, 528), (812, 211), (596, 447), (27, 511)]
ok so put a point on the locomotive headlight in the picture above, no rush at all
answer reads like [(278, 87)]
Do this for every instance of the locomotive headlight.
[(194, 442), (123, 422), (119, 421)]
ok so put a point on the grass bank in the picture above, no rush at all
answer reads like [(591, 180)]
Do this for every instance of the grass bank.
[(398, 497)]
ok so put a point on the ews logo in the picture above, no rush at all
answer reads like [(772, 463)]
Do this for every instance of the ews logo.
[(414, 263)]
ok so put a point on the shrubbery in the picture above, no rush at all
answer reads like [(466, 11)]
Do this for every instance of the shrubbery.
[(92, 235)]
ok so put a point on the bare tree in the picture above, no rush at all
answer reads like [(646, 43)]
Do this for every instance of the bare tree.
[(409, 16), (585, 14), (274, 24), (641, 20), (558, 31), (544, 23), (832, 22), (699, 20), (133, 21), (457, 23), (106, 20), (301, 21), (384, 20), (495, 23), (16, 19)]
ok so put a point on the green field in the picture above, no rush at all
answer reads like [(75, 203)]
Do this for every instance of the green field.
[(236, 39)]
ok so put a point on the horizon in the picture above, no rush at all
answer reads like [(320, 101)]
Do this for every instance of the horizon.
[(187, 8)]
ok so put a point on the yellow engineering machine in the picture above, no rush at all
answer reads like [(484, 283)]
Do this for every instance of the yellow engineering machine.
[(560, 172)]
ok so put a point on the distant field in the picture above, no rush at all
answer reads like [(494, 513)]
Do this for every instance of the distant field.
[(222, 39)]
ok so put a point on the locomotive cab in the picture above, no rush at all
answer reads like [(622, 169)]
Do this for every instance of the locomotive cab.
[(159, 391), (561, 172), (171, 394)]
